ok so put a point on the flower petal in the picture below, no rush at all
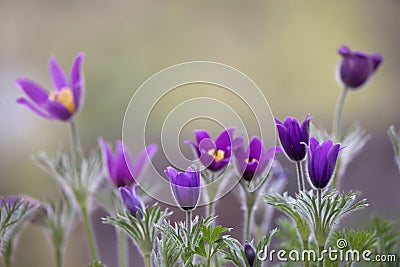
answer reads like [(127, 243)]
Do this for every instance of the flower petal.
[(76, 79), (57, 110), (256, 148), (34, 91), (57, 74), (224, 140), (141, 162), (42, 113), (200, 135)]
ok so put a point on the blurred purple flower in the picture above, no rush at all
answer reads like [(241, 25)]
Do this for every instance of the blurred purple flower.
[(253, 161), (250, 253), (321, 162), (215, 155), (60, 104), (121, 168), (185, 187), (131, 200), (356, 66), (294, 137)]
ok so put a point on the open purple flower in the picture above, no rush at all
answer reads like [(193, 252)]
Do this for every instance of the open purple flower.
[(185, 187), (321, 162), (214, 155), (131, 200), (66, 99), (253, 161), (250, 253), (356, 66), (294, 137), (121, 168)]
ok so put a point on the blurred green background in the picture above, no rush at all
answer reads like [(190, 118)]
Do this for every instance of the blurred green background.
[(287, 47)]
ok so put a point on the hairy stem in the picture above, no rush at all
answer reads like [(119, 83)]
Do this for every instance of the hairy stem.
[(250, 200), (89, 232), (306, 248), (147, 259), (188, 226), (122, 248), (76, 141), (300, 180), (337, 115)]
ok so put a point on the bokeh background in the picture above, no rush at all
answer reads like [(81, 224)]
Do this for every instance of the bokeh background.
[(287, 47)]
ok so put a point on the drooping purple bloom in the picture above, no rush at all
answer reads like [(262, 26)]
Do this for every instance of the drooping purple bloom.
[(250, 253), (294, 137), (356, 66), (215, 155), (131, 200), (253, 161), (185, 186), (121, 168), (66, 99), (321, 161)]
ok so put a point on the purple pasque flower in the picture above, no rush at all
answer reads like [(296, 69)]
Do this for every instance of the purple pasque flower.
[(294, 137), (250, 253), (121, 168), (185, 187), (253, 161), (214, 155), (131, 200), (67, 97), (321, 161), (356, 66)]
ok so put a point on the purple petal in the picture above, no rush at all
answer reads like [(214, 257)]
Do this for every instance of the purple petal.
[(120, 171), (57, 110), (200, 135), (256, 148), (195, 148), (76, 79), (34, 91), (141, 162), (57, 75), (171, 173), (305, 129), (344, 50), (42, 113), (107, 154), (225, 139)]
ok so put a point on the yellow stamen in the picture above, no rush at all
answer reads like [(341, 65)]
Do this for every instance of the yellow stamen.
[(217, 155), (65, 97), (252, 160)]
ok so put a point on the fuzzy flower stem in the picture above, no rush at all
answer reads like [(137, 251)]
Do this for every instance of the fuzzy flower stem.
[(338, 114), (250, 200), (319, 200), (122, 248), (188, 226), (300, 179), (88, 230), (76, 140), (147, 259), (306, 248)]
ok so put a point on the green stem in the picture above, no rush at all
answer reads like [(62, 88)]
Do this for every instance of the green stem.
[(250, 200), (188, 226), (88, 230), (58, 257), (338, 114), (122, 248), (147, 259), (7, 256), (319, 200), (306, 248), (320, 260), (76, 140), (210, 210), (300, 179)]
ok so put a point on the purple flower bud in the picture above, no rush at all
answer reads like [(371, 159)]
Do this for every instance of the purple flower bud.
[(250, 253), (131, 200), (253, 161), (185, 186), (215, 155), (66, 99), (356, 66), (321, 162), (294, 137), (121, 168)]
